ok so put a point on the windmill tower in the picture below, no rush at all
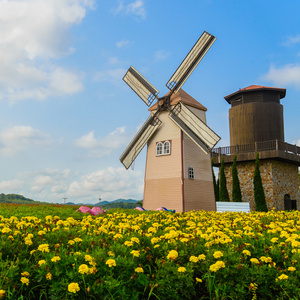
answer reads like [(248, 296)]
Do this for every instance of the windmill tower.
[(178, 170)]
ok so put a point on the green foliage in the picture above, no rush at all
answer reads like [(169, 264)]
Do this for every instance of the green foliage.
[(223, 194), (259, 194), (127, 205), (236, 189), (216, 186)]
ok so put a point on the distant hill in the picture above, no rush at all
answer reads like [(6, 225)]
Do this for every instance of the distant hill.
[(118, 200), (14, 198)]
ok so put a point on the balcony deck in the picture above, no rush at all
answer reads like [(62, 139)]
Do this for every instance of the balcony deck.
[(274, 149)]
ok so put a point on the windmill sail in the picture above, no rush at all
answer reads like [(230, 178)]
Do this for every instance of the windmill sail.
[(141, 86), (140, 140), (191, 61), (195, 128)]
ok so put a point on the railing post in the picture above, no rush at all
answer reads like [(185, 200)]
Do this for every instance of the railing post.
[(255, 147), (220, 154), (296, 149), (277, 144)]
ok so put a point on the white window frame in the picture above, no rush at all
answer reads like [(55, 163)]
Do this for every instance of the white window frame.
[(163, 148), (159, 148), (191, 173)]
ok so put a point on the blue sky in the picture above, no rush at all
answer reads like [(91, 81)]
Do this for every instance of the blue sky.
[(66, 114)]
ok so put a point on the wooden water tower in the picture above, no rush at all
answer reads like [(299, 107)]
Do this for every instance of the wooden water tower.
[(256, 125)]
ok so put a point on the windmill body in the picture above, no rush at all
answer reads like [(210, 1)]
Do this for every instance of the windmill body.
[(178, 169), (181, 178)]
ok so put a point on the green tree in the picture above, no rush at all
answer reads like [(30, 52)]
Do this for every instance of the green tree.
[(223, 192), (259, 194), (216, 186), (236, 189)]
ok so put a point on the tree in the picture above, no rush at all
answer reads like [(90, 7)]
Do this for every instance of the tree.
[(216, 186), (236, 189), (259, 194), (223, 193)]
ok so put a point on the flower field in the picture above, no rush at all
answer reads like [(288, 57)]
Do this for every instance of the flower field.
[(55, 252)]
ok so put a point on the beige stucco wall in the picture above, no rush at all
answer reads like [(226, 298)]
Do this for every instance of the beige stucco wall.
[(278, 178)]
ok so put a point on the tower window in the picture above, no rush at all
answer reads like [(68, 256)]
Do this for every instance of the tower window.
[(163, 148), (191, 173)]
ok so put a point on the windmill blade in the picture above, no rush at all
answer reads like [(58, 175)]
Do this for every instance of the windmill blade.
[(196, 129), (191, 61), (141, 86), (139, 141)]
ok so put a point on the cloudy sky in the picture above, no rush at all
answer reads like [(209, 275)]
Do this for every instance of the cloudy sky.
[(66, 114)]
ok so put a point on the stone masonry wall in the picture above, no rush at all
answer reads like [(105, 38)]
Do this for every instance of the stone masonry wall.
[(278, 178)]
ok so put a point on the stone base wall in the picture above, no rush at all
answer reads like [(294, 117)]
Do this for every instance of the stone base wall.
[(278, 178)]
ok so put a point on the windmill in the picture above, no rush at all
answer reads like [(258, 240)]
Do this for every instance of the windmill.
[(170, 142)]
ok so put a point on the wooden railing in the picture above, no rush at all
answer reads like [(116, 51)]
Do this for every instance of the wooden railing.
[(256, 147)]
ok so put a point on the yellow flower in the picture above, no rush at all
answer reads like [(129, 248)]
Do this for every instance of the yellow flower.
[(25, 274), (44, 248), (173, 254), (24, 280), (118, 236), (135, 253), (274, 240), (201, 257), (128, 243), (253, 286), (111, 263), (28, 241), (71, 242), (135, 239), (155, 240), (254, 261), (73, 287), (291, 269), (55, 258), (88, 258), (218, 254), (42, 262), (49, 276), (194, 259), (181, 269), (156, 246), (2, 293), (32, 251), (266, 259), (217, 266), (6, 230), (110, 253), (83, 269), (198, 279), (77, 240), (282, 277), (139, 270), (246, 252)]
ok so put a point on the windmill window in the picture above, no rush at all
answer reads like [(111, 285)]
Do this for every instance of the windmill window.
[(167, 147), (163, 148), (191, 173), (159, 148)]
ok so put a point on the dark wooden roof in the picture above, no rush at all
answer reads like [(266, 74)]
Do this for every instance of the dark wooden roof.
[(185, 98), (252, 88)]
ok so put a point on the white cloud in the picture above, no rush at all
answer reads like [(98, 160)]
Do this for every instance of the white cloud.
[(114, 75), (50, 181), (135, 8), (291, 40), (17, 138), (122, 43), (161, 54), (8, 186), (286, 75), (102, 146), (111, 183), (33, 34)]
